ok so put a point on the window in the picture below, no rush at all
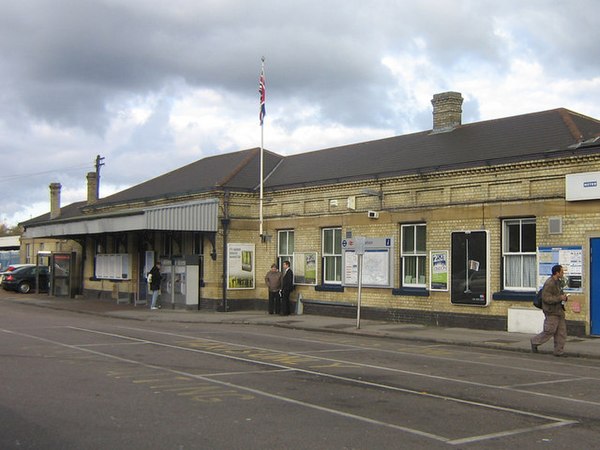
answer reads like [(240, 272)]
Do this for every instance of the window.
[(121, 243), (100, 244), (285, 247), (413, 257), (332, 255), (167, 241), (197, 244), (27, 253), (519, 254)]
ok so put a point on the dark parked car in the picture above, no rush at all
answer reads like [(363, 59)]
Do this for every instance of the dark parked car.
[(23, 279), (12, 267)]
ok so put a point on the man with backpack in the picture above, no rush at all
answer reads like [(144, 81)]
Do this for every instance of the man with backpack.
[(553, 305)]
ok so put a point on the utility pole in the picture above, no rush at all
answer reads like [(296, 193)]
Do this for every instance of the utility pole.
[(99, 163)]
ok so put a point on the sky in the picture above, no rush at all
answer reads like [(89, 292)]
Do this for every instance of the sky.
[(151, 86)]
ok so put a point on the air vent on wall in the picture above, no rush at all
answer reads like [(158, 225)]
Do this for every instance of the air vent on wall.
[(555, 225)]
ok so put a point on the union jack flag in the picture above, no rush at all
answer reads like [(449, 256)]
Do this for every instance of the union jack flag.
[(262, 92)]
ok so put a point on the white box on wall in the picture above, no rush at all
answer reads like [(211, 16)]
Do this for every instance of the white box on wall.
[(582, 186), (525, 320)]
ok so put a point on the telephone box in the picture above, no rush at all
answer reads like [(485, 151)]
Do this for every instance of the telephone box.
[(62, 271)]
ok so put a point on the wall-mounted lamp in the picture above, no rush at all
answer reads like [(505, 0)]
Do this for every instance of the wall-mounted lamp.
[(373, 192)]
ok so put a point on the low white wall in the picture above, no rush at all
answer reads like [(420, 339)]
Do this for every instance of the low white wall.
[(525, 320)]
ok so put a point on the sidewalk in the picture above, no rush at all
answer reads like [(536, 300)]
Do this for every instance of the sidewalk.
[(501, 340)]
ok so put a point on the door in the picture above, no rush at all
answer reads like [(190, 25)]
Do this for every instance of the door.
[(61, 272), (595, 286)]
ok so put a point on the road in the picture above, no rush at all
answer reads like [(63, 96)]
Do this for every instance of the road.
[(73, 381)]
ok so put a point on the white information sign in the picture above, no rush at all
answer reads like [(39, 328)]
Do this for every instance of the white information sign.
[(569, 257), (377, 261)]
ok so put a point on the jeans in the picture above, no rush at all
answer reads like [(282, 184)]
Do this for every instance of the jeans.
[(155, 295)]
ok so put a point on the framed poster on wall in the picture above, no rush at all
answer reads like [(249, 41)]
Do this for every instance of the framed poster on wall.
[(570, 258), (240, 266), (305, 268), (439, 270), (469, 280)]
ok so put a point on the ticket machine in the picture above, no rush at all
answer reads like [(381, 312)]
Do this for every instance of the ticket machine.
[(180, 285)]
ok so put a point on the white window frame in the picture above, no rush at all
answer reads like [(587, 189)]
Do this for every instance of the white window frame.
[(332, 255), (287, 253), (418, 255), (521, 255)]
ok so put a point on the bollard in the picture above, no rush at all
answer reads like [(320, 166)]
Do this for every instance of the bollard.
[(299, 305)]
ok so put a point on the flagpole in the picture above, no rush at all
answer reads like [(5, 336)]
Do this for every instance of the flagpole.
[(262, 112), (261, 178)]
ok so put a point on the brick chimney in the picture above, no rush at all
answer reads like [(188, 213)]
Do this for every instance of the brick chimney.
[(92, 188), (55, 200), (447, 111)]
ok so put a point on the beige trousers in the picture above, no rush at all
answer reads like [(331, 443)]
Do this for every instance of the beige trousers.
[(554, 326)]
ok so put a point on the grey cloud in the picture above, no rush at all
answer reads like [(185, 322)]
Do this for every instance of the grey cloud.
[(67, 63)]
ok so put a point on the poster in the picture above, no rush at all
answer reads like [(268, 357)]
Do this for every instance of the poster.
[(469, 268), (240, 266), (570, 258), (305, 268), (439, 270)]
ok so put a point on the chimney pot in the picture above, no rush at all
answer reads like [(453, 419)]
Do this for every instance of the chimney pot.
[(55, 200), (447, 111)]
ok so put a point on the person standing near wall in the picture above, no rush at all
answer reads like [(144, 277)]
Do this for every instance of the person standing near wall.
[(273, 281), (553, 305), (287, 286), (154, 279)]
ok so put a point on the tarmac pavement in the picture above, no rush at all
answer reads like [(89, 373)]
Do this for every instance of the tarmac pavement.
[(586, 347)]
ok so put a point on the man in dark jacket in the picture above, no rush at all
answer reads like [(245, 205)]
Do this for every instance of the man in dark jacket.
[(287, 286), (154, 279), (555, 325)]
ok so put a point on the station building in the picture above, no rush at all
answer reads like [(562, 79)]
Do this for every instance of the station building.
[(458, 225)]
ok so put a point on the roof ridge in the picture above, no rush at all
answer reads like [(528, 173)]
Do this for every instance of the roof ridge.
[(251, 155), (570, 123)]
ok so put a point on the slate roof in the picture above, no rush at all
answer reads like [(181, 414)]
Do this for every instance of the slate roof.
[(546, 134), (66, 212), (471, 145), (237, 171)]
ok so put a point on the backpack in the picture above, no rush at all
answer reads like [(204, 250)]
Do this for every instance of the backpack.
[(537, 301)]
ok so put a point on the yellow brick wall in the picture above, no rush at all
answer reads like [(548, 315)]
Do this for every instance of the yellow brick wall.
[(473, 199), (452, 201)]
